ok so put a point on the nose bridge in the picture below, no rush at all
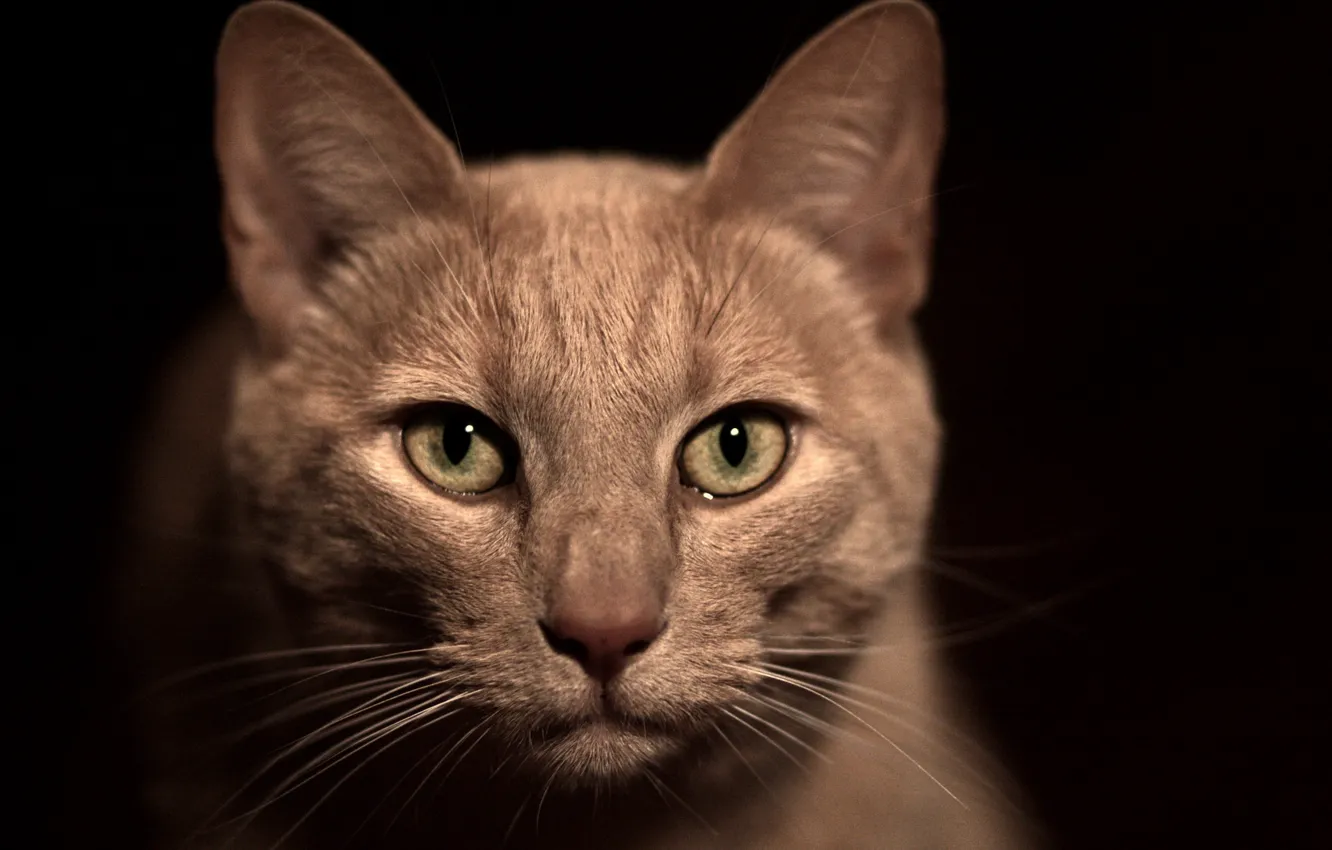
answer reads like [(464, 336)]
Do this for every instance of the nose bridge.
[(606, 580), (616, 551), (606, 512), (601, 548)]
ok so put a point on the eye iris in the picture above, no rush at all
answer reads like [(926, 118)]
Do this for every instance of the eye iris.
[(733, 453), (458, 450), (733, 440), (457, 440)]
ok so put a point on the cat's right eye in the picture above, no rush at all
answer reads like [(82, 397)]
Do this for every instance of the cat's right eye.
[(459, 450), (734, 452)]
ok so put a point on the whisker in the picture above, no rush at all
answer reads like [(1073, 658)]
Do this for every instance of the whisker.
[(358, 741), (978, 628), (357, 714), (379, 660), (315, 702), (987, 586), (454, 313), (818, 724), (652, 779), (256, 658), (239, 686), (1033, 609), (736, 280), (784, 733), (388, 610), (741, 756), (851, 641), (768, 738), (975, 752), (837, 652), (247, 817), (837, 704), (889, 699), (494, 771), (471, 206), (394, 180), (958, 634), (1005, 551), (344, 750), (541, 801), (429, 753), (663, 787), (392, 741), (485, 729), (406, 773), (309, 673), (490, 228), (802, 717), (514, 821), (438, 764)]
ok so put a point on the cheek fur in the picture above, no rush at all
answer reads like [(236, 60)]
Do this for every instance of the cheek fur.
[(785, 533)]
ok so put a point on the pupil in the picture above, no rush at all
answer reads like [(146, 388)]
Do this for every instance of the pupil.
[(734, 441), (457, 440)]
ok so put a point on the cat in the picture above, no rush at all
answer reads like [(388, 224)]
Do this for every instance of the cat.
[(564, 501)]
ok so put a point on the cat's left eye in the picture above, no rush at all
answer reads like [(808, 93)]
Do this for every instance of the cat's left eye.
[(734, 452), (459, 450)]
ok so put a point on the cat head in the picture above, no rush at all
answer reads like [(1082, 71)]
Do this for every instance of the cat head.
[(602, 430)]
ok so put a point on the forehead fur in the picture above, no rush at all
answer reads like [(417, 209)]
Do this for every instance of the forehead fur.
[(573, 283)]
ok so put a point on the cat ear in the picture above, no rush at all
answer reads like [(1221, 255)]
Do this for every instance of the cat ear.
[(317, 145), (843, 144)]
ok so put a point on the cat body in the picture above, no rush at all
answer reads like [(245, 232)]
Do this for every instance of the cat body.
[(581, 617)]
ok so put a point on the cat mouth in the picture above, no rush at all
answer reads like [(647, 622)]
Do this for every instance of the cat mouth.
[(608, 721), (604, 741), (603, 747)]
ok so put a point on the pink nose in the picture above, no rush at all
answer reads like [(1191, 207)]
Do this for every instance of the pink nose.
[(602, 642)]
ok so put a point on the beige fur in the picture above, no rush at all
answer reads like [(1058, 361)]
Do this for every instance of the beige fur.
[(597, 309)]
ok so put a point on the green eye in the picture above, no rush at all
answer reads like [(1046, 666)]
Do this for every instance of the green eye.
[(734, 452), (459, 450)]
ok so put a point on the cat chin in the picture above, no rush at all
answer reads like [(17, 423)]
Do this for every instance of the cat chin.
[(601, 752)]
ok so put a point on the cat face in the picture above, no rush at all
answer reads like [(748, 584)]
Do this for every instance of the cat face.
[(600, 430)]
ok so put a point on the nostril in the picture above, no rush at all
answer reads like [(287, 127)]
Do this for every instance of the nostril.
[(572, 647), (638, 646), (601, 648)]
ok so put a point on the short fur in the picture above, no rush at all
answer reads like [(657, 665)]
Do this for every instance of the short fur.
[(596, 308)]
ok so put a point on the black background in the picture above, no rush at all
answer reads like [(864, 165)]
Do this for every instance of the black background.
[(1130, 264)]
